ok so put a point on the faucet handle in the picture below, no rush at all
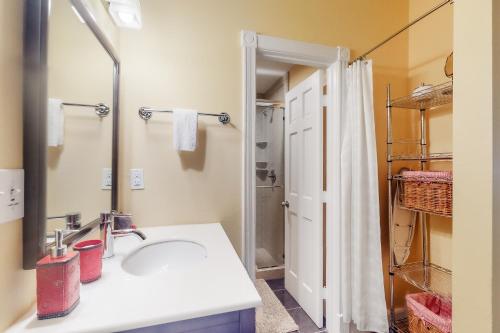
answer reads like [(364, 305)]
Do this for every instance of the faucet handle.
[(122, 221), (106, 231), (106, 217), (73, 220)]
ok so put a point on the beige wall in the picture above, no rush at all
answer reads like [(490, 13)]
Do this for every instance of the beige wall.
[(496, 166), (188, 55), (17, 287), (78, 73), (473, 144)]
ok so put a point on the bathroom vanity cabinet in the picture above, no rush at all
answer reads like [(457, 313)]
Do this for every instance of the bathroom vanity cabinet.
[(163, 294)]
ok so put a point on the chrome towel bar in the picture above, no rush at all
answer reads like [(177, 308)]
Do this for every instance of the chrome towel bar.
[(101, 109), (146, 113)]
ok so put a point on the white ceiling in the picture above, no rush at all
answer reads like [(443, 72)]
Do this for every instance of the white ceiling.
[(268, 72)]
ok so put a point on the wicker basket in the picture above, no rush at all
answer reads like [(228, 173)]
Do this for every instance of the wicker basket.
[(428, 314), (427, 191)]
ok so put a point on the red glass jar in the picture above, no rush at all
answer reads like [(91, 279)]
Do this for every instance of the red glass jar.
[(90, 259)]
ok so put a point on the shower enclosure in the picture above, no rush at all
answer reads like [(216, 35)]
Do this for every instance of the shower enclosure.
[(269, 156)]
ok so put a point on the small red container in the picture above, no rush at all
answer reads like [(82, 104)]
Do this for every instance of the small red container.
[(90, 259)]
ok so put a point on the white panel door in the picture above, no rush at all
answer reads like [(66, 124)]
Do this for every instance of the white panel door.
[(303, 189)]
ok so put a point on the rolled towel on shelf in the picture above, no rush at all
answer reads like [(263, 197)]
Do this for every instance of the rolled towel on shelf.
[(185, 129), (55, 123)]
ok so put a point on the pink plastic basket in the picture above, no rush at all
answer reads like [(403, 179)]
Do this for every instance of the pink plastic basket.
[(428, 313)]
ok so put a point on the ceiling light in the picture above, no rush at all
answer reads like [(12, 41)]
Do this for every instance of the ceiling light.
[(126, 13)]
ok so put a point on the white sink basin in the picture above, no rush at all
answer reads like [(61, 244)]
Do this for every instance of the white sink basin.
[(164, 256)]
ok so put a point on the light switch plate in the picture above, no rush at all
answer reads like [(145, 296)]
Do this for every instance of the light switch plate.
[(11, 195), (107, 179), (137, 179)]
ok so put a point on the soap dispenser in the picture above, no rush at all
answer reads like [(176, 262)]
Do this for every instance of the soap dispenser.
[(57, 281)]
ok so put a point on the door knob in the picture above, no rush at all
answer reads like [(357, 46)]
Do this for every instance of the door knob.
[(285, 204)]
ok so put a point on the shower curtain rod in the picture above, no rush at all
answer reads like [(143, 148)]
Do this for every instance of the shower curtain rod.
[(418, 19)]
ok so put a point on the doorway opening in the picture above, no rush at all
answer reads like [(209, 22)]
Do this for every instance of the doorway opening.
[(310, 280), (289, 183), (271, 87)]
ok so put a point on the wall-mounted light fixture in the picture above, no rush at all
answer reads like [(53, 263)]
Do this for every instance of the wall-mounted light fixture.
[(126, 13)]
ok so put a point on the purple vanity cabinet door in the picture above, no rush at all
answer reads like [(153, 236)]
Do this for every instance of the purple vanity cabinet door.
[(247, 321), (230, 322)]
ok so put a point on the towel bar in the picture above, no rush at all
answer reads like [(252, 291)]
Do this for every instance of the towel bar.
[(146, 113), (101, 109)]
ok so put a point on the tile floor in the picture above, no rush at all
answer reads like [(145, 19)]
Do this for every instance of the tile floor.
[(306, 325)]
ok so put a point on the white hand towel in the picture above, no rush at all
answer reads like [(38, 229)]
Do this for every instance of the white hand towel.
[(55, 123), (185, 129)]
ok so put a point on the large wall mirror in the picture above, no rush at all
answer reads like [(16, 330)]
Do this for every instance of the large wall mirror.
[(70, 122)]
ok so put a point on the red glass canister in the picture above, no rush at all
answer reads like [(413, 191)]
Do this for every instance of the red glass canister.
[(90, 259)]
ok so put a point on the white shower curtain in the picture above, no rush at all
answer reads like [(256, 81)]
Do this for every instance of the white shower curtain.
[(362, 282)]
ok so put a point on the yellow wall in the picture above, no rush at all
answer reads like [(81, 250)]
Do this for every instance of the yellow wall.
[(17, 287), (188, 55), (299, 73), (430, 43)]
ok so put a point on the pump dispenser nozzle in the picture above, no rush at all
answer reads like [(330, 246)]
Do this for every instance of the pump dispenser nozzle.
[(59, 250)]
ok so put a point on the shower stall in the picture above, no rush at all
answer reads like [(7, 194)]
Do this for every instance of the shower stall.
[(269, 157)]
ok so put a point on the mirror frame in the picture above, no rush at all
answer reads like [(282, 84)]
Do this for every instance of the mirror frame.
[(35, 76)]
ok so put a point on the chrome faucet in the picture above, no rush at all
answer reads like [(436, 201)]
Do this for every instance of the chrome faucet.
[(108, 235)]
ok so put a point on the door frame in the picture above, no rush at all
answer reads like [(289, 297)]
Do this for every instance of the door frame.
[(300, 53)]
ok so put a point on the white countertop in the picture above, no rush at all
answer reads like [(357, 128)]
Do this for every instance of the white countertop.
[(121, 301)]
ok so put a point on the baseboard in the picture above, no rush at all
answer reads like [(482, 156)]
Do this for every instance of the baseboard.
[(270, 273)]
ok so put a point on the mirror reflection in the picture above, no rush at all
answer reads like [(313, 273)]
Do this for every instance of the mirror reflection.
[(79, 122)]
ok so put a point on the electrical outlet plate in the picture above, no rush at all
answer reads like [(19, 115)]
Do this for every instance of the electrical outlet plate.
[(11, 195), (137, 179), (107, 179)]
